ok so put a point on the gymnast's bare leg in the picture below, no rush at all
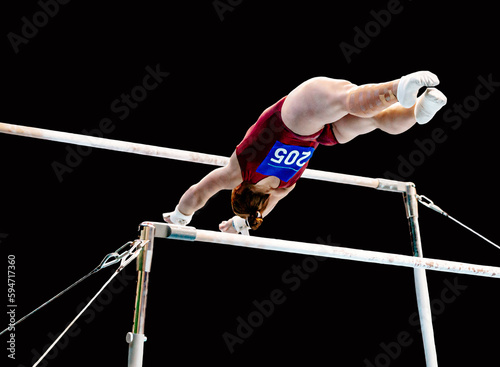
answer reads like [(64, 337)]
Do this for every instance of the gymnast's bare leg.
[(392, 107), (393, 120)]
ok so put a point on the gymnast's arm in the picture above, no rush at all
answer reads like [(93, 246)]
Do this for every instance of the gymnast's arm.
[(195, 198)]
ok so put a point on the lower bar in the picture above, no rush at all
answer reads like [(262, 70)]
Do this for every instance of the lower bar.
[(165, 230)]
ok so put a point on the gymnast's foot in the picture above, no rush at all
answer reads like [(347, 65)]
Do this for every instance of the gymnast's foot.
[(428, 104), (410, 84)]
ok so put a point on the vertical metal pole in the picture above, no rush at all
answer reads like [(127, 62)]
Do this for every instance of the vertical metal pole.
[(423, 301), (136, 338)]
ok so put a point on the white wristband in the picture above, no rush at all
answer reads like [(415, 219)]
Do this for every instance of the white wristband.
[(240, 225), (176, 217)]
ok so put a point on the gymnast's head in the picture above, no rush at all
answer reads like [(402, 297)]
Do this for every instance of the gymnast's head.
[(249, 203)]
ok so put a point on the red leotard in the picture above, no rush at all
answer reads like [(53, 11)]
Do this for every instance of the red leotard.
[(269, 148)]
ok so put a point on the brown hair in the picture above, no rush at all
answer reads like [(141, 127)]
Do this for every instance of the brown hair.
[(249, 204)]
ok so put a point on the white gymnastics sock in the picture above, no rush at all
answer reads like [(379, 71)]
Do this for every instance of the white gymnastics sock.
[(410, 84), (428, 104)]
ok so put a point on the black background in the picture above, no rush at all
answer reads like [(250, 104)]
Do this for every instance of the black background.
[(224, 68)]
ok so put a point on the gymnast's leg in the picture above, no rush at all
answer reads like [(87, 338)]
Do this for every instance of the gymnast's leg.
[(320, 101), (393, 120)]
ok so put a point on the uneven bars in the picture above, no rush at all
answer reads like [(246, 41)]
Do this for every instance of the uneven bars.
[(184, 155), (164, 230)]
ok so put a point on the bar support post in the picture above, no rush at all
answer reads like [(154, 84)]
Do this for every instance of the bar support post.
[(421, 287), (136, 338)]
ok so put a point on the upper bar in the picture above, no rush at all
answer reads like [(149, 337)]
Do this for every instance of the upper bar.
[(165, 230), (110, 144), (184, 155)]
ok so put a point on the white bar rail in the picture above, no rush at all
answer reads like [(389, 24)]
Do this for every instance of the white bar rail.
[(184, 155), (164, 230)]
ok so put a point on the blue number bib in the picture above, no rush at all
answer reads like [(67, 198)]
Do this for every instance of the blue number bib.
[(284, 161)]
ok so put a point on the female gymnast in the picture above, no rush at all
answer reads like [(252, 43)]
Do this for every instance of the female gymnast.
[(276, 150)]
